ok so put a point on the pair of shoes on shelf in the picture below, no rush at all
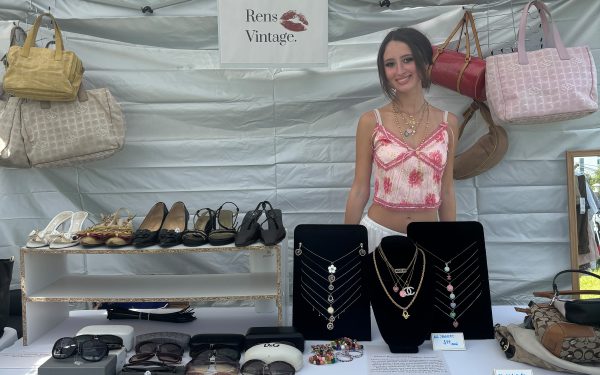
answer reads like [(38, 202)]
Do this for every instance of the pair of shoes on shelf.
[(112, 231), (162, 226), (50, 236), (215, 227), (251, 230)]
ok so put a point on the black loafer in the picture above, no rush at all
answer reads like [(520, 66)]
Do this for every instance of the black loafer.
[(147, 233)]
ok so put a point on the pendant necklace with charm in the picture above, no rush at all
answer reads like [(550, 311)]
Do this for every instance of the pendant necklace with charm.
[(332, 268), (408, 119), (404, 309), (401, 286)]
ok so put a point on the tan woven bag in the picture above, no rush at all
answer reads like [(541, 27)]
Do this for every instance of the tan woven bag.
[(42, 73)]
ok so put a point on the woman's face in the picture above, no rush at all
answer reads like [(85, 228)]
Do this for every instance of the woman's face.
[(400, 67)]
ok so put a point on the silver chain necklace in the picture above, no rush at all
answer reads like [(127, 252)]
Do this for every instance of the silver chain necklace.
[(330, 310)]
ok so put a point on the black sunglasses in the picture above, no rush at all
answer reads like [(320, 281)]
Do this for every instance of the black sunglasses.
[(258, 367), (166, 352), (217, 350), (152, 366), (112, 341), (92, 350)]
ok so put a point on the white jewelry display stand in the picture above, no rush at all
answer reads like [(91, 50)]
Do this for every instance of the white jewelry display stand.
[(48, 287)]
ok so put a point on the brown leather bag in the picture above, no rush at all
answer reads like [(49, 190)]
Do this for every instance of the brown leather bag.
[(486, 152)]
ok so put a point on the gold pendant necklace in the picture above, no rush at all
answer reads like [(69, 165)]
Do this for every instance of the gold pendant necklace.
[(408, 119), (404, 309)]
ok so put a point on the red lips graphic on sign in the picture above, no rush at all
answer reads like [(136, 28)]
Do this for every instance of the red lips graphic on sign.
[(293, 21)]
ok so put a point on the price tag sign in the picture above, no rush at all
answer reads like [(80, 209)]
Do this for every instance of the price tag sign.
[(513, 372), (448, 341)]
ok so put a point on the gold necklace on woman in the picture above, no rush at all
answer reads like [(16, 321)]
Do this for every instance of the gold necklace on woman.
[(408, 119)]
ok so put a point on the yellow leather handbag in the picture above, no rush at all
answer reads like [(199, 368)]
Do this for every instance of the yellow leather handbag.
[(42, 73)]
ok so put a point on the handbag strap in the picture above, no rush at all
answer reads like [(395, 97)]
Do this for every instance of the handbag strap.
[(550, 28), (33, 33), (557, 292)]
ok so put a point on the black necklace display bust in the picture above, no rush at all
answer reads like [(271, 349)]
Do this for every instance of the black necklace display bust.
[(401, 293)]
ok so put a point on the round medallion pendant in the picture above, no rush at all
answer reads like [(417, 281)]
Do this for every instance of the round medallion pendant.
[(452, 314), (402, 294), (330, 299), (298, 251), (331, 319), (330, 326), (452, 296), (330, 287), (446, 269), (330, 310), (331, 278), (362, 252), (450, 288)]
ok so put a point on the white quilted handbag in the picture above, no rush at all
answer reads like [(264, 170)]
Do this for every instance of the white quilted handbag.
[(60, 134)]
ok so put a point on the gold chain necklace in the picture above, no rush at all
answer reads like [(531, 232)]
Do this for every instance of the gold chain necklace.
[(401, 286), (408, 119), (404, 309)]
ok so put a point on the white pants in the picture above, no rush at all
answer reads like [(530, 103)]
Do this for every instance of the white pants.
[(377, 231)]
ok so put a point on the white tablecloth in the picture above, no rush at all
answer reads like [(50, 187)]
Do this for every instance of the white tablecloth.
[(8, 338), (480, 358)]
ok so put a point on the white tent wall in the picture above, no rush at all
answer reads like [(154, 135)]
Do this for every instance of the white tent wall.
[(205, 135)]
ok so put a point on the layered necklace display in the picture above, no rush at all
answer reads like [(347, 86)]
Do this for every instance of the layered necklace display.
[(402, 279), (459, 285), (340, 291), (410, 120)]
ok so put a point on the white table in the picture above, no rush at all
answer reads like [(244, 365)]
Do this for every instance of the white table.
[(8, 338), (480, 358)]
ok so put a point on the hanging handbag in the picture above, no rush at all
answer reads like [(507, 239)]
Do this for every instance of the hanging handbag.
[(550, 84), (580, 311), (60, 134), (12, 145), (569, 341), (459, 71), (41, 73), (486, 152)]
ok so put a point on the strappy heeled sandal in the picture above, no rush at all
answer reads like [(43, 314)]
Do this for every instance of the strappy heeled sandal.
[(147, 232), (275, 231), (122, 231), (227, 221), (70, 238), (174, 225), (249, 231), (112, 226), (204, 223), (41, 238)]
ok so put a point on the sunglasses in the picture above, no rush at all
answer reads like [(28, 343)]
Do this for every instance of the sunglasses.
[(92, 350), (151, 366), (214, 365), (112, 341), (217, 350), (165, 352), (258, 367)]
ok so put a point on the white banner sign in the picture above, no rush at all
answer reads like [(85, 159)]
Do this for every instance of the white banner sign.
[(273, 33)]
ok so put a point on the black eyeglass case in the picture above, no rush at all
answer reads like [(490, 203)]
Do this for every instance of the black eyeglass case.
[(207, 341), (284, 334), (53, 366)]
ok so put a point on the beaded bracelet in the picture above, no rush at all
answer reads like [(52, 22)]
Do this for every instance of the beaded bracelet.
[(326, 358), (346, 343)]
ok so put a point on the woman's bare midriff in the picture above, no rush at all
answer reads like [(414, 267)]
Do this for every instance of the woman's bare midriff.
[(398, 220)]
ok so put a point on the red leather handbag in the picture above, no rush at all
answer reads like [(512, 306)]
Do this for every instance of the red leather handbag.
[(460, 71)]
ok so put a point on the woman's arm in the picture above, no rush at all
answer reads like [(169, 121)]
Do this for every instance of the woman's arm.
[(447, 211), (361, 186)]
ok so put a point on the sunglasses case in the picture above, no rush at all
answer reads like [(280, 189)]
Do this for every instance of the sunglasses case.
[(123, 331), (260, 335), (272, 352), (53, 366), (203, 341)]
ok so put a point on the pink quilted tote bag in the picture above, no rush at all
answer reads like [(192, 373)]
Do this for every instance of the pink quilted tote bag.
[(551, 84)]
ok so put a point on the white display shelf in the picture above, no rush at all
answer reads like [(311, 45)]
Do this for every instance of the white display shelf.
[(48, 286)]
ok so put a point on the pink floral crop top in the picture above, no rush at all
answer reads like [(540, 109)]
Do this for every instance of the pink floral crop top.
[(407, 178)]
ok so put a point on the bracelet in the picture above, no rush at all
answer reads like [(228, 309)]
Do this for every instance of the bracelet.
[(354, 353), (320, 359), (343, 357), (346, 343)]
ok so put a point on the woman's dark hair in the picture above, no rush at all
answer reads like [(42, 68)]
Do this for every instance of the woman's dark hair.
[(421, 50)]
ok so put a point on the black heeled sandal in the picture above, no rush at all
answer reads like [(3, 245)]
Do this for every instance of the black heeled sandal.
[(174, 225), (227, 220), (275, 231), (249, 231), (147, 233), (204, 223)]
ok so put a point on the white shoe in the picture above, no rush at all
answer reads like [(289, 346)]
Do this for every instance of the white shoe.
[(70, 238), (41, 238)]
